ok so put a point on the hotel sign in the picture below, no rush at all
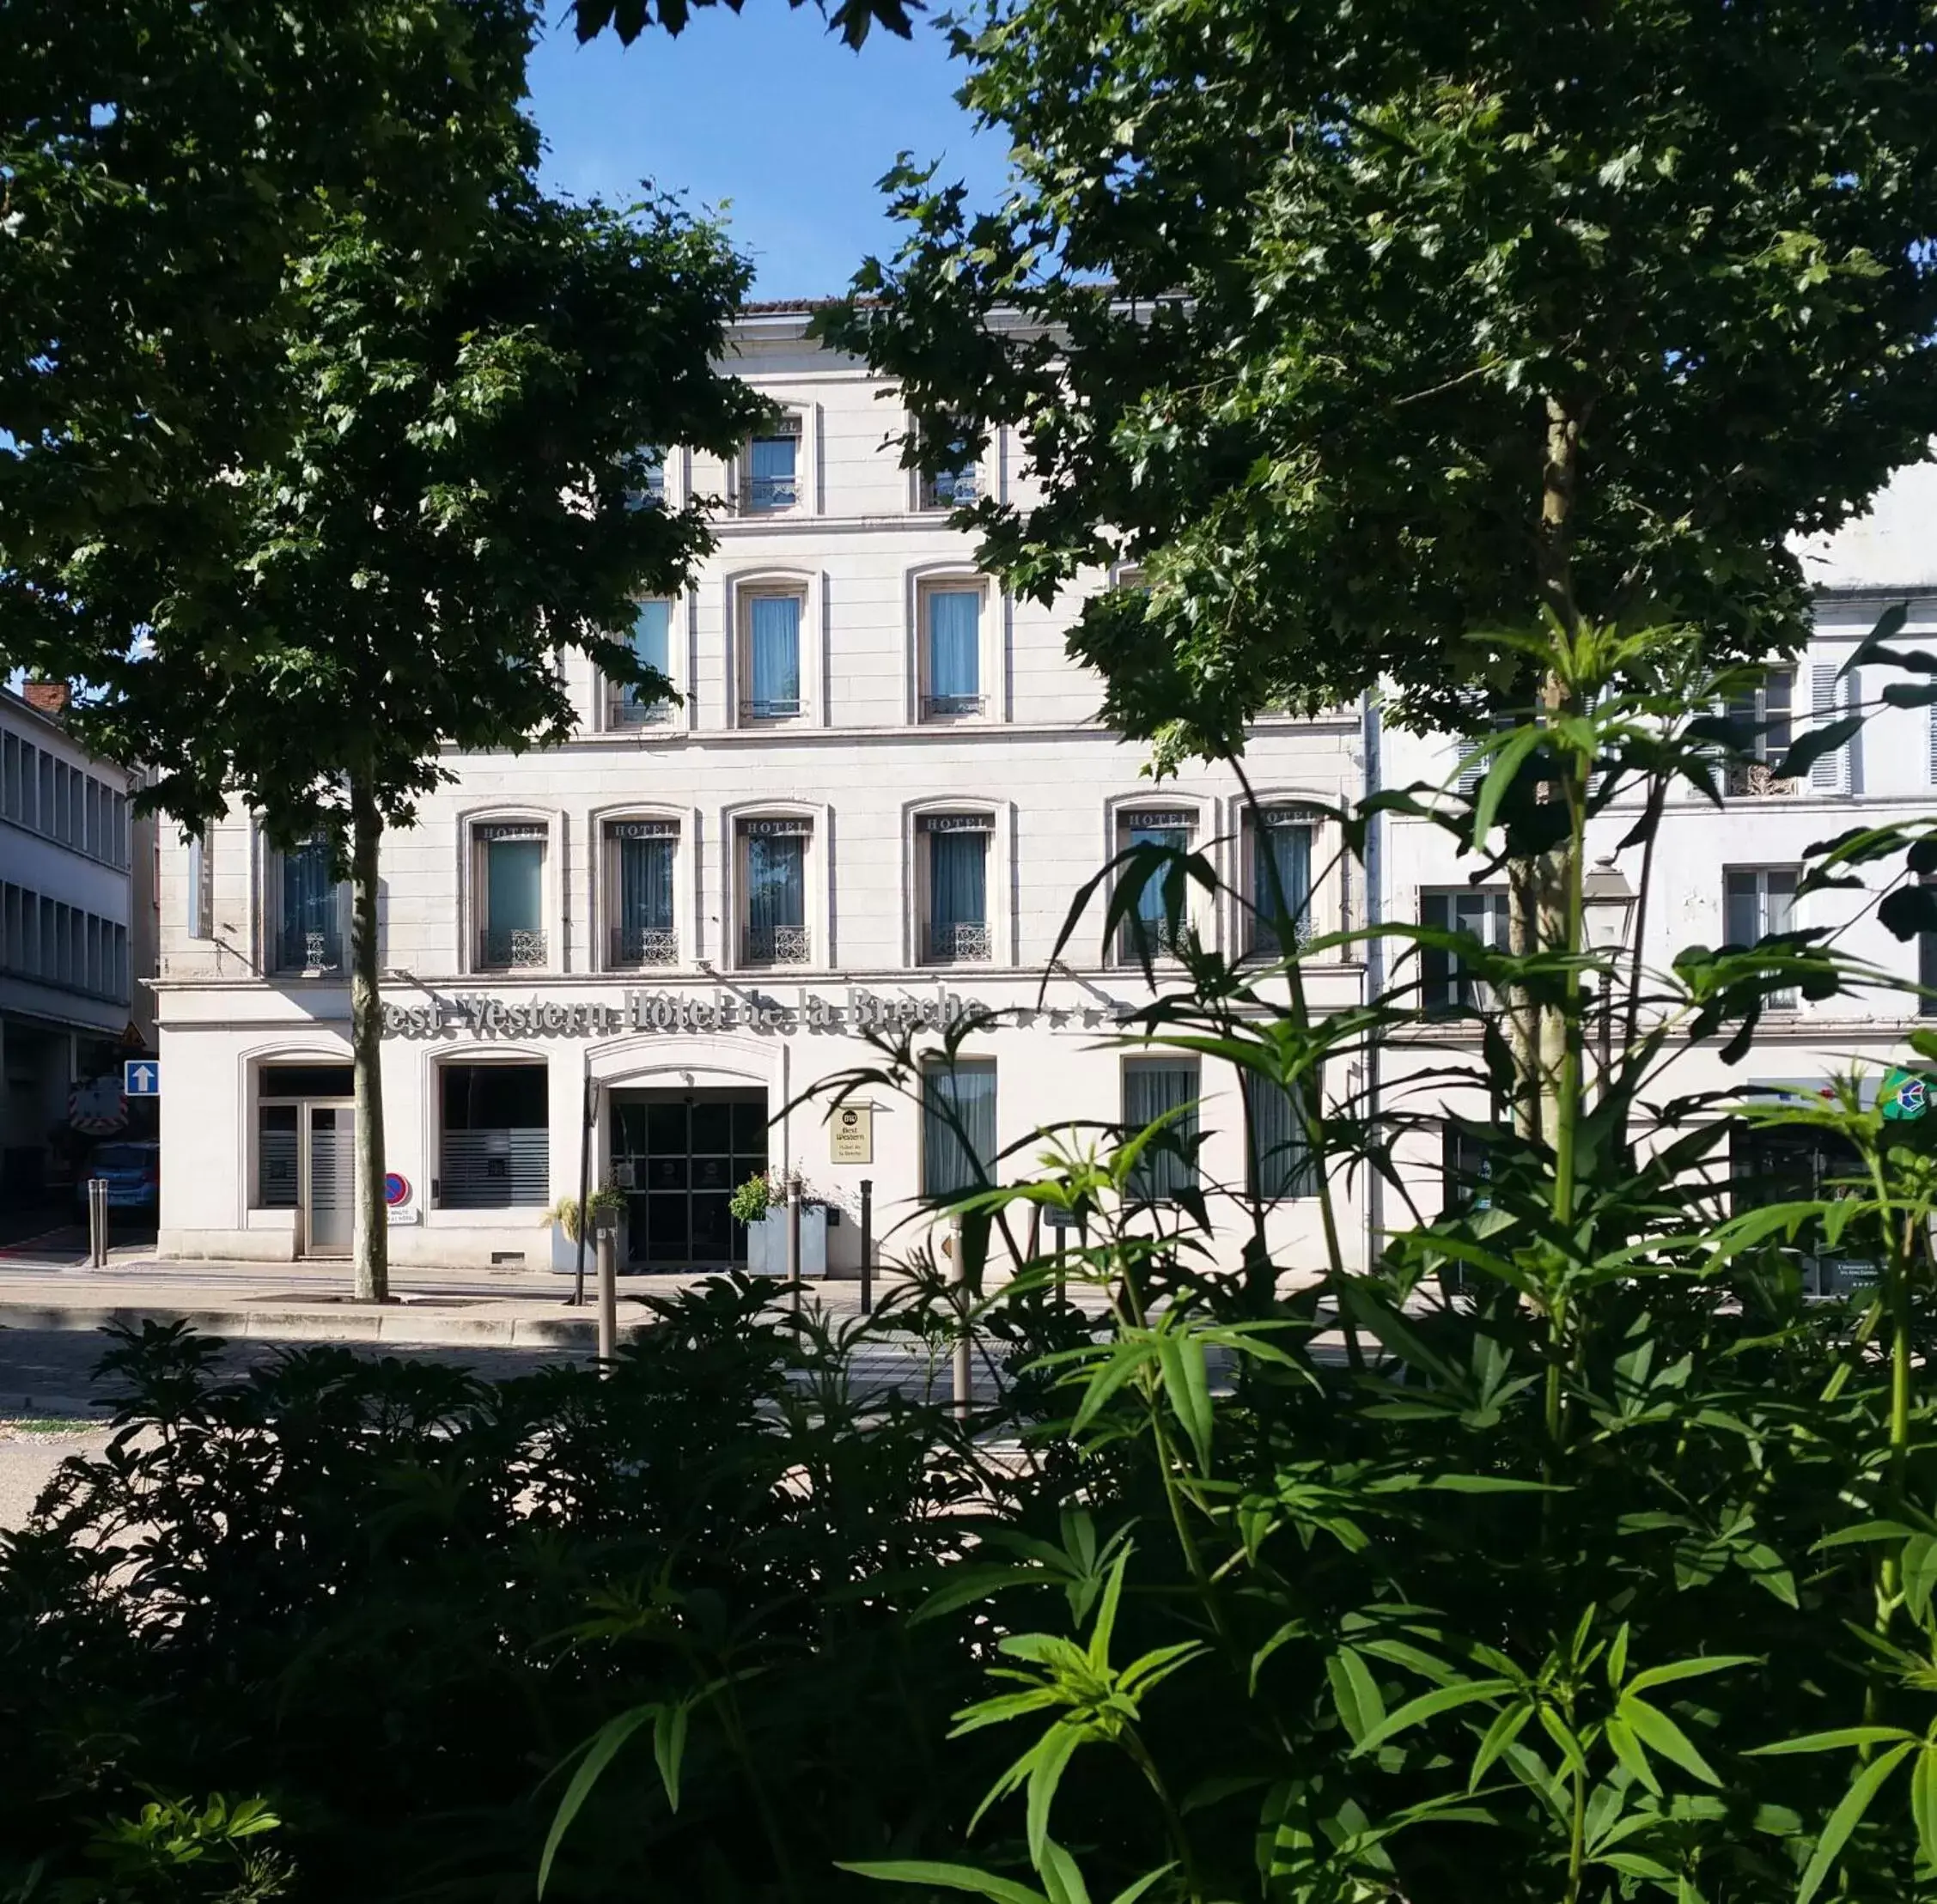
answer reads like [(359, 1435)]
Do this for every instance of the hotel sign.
[(856, 1010)]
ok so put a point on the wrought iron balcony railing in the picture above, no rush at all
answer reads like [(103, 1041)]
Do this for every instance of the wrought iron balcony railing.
[(1262, 940), (1757, 780), (765, 494), (644, 945), (520, 949), (1138, 938), (774, 946), (625, 712), (770, 708), (950, 490), (954, 943), (951, 707), (299, 950)]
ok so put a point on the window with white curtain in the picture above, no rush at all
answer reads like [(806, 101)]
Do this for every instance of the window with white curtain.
[(1278, 1154), (773, 880), (771, 653), (772, 479), (954, 851), (958, 1126), (631, 705), (307, 910), (641, 858), (1281, 880), (508, 894), (1154, 1088), (951, 657)]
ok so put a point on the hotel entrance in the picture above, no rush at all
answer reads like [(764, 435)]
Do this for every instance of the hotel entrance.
[(679, 1155)]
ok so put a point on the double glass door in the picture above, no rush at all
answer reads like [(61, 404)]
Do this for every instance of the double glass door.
[(680, 1156), (307, 1164)]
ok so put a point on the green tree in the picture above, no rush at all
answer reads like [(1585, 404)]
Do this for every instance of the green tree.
[(1367, 334), (159, 162), (462, 502)]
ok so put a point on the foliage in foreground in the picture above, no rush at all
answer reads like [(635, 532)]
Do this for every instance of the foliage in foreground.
[(1578, 1551)]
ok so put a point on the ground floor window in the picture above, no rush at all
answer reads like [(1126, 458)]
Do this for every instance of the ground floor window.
[(495, 1137), (1786, 1163), (1279, 1156), (958, 1126), (1155, 1088)]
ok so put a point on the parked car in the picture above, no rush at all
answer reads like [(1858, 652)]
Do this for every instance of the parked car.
[(133, 1171)]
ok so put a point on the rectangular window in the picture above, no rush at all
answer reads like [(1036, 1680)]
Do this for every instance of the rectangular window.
[(773, 657), (44, 820), (652, 647), (773, 459), (957, 1128), (640, 857), (1759, 903), (650, 490), (1762, 722), (1927, 964), (1149, 931), (495, 1147), (10, 776), (951, 654), (1154, 1088), (956, 924), (510, 894), (773, 861), (309, 910), (201, 893), (1278, 1156), (1446, 985), (1281, 881)]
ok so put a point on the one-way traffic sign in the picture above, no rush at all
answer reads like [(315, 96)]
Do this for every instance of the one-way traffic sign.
[(141, 1078)]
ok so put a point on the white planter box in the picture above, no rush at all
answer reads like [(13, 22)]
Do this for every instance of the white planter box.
[(766, 1243)]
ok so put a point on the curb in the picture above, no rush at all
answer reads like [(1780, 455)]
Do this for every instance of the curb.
[(285, 1324)]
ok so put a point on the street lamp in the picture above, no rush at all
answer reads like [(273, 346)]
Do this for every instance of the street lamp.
[(1607, 905)]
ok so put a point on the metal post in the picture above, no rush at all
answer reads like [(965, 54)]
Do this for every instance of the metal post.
[(97, 1222), (958, 1280), (608, 1298), (794, 1238), (584, 1183), (867, 1246)]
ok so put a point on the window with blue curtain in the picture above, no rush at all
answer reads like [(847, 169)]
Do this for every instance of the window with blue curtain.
[(773, 468), (1151, 1088), (512, 871), (1279, 1158), (310, 935), (954, 651), (1171, 830), (776, 899), (958, 1126), (643, 862), (957, 921), (1281, 874), (652, 647), (773, 657)]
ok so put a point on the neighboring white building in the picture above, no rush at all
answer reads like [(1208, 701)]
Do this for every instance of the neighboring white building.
[(883, 788), (65, 912)]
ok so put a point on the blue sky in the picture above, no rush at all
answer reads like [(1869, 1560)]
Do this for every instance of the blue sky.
[(766, 113)]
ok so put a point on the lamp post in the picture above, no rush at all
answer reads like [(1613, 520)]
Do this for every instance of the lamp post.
[(1607, 906)]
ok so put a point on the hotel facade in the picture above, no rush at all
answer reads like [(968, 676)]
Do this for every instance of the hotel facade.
[(883, 785)]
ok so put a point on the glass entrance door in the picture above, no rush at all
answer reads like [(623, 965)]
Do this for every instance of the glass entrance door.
[(681, 1155), (329, 1186)]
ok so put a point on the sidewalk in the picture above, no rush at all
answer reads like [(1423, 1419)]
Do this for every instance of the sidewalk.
[(48, 1283)]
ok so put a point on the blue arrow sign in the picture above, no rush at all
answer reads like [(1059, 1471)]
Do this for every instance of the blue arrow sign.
[(141, 1078)]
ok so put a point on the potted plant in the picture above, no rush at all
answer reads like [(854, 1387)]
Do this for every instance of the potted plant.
[(562, 1218), (761, 1203)]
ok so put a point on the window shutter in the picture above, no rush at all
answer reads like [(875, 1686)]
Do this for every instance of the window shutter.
[(1827, 773), (1853, 754), (1934, 745)]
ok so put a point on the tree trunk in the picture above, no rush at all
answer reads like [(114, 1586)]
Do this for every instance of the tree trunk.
[(366, 1045)]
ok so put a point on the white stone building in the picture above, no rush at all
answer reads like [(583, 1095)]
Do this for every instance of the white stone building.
[(882, 789), (883, 786), (66, 907)]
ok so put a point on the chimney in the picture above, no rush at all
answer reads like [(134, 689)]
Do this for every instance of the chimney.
[(49, 697)]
